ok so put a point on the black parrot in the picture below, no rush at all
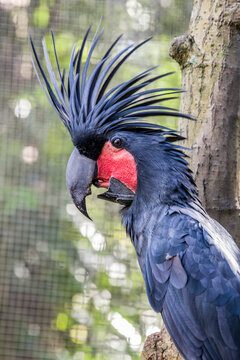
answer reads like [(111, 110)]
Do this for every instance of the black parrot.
[(189, 262)]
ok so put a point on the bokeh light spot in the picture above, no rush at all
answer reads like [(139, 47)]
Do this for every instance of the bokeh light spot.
[(30, 154), (78, 334), (23, 108)]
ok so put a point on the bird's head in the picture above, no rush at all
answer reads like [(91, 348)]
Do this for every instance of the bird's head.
[(107, 127), (107, 165)]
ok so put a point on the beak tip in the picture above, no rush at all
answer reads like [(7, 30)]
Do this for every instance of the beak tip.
[(82, 208), (86, 214)]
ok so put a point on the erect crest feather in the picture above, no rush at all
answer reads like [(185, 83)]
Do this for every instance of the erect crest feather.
[(85, 104)]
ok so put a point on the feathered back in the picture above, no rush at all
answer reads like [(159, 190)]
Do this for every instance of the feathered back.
[(85, 104)]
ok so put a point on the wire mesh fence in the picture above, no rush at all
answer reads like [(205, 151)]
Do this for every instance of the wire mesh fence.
[(69, 288)]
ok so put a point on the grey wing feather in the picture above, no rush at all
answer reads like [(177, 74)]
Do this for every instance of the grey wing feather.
[(190, 281)]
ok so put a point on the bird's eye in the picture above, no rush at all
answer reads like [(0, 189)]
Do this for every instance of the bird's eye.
[(117, 142)]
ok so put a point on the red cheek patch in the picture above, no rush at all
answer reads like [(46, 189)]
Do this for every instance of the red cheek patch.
[(117, 163)]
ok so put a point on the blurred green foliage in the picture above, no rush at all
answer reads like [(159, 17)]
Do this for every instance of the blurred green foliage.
[(69, 289), (41, 16)]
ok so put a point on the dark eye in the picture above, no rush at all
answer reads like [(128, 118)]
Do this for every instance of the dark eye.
[(117, 142)]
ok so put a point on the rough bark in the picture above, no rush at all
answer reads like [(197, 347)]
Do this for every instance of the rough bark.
[(209, 57), (159, 346)]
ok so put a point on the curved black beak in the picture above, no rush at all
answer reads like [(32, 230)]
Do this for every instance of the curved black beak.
[(79, 177)]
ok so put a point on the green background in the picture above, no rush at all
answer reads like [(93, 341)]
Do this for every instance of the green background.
[(69, 288)]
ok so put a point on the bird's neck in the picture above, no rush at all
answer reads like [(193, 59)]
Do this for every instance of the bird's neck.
[(164, 178), (161, 185)]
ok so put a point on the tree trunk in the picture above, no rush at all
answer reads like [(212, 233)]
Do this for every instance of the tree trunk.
[(209, 57)]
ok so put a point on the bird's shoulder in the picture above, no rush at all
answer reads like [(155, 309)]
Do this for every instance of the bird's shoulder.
[(189, 279), (184, 251), (167, 245)]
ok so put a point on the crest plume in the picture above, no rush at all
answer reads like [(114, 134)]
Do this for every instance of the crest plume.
[(85, 104)]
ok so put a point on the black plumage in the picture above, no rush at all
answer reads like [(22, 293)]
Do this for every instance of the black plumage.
[(86, 104), (189, 262)]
